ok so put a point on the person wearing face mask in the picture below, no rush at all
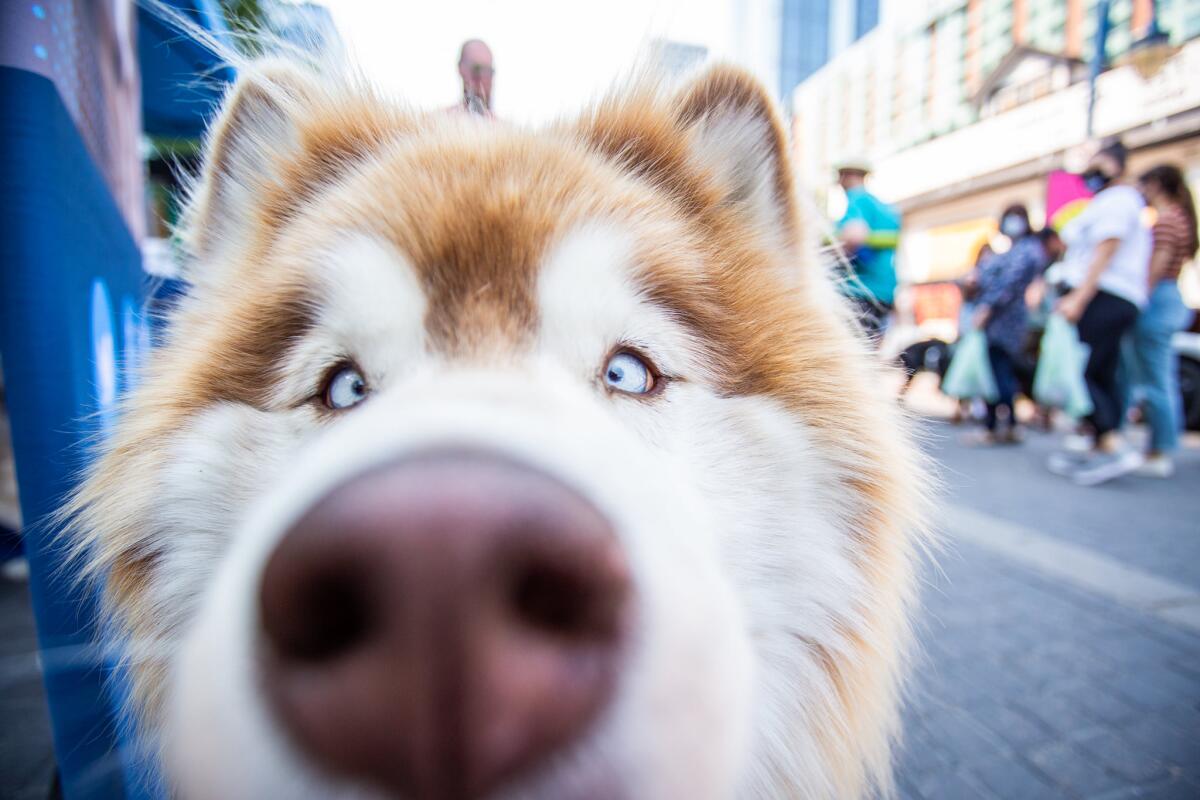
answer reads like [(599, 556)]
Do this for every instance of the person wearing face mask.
[(1001, 313), (1154, 363), (1105, 270)]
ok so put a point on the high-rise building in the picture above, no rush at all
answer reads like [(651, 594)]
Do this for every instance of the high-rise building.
[(814, 31), (967, 105)]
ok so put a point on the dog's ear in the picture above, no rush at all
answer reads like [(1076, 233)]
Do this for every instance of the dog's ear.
[(736, 138), (717, 145), (283, 134), (252, 147)]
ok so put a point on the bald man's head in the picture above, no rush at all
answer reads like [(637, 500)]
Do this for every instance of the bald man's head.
[(476, 69)]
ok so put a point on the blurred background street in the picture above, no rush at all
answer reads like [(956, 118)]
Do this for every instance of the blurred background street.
[(1061, 635), (935, 141)]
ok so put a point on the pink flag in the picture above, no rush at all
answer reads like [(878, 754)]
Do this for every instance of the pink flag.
[(1066, 196)]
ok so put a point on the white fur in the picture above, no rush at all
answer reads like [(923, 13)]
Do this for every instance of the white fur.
[(736, 540), (685, 605), (372, 309), (736, 146)]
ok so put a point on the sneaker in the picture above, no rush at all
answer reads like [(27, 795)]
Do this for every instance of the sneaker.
[(1078, 443), (1066, 463), (1106, 466), (1157, 467)]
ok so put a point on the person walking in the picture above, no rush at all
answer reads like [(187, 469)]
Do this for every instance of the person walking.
[(1001, 313), (868, 232), (1154, 363), (1105, 270)]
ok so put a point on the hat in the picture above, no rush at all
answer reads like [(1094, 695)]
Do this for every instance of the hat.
[(853, 163)]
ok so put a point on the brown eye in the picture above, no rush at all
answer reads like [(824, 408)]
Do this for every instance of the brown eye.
[(626, 372), (345, 388)]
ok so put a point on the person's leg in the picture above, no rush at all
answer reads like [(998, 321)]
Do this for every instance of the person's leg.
[(1002, 370), (1129, 378), (991, 416), (1101, 327), (1104, 323), (1157, 365)]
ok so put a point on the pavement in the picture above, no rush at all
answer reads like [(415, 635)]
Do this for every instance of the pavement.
[(1060, 639), (1060, 633), (26, 755)]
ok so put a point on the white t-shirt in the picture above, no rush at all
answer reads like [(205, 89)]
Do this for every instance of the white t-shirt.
[(1115, 213)]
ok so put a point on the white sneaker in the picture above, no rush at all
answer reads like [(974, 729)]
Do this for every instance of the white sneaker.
[(1105, 467), (1078, 443), (1157, 467), (1066, 463)]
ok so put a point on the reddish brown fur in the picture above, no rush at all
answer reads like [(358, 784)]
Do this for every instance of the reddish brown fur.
[(413, 180)]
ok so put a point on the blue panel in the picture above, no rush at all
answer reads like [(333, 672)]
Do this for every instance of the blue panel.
[(70, 291), (804, 42), (182, 82), (866, 17)]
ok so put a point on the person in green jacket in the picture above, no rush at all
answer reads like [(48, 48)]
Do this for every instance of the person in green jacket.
[(869, 232)]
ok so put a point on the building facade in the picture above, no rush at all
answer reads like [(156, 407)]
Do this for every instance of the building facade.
[(967, 105), (814, 31)]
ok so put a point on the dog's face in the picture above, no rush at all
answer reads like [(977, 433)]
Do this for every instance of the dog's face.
[(487, 462)]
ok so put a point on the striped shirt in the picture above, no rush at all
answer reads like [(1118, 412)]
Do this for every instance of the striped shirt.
[(1173, 234)]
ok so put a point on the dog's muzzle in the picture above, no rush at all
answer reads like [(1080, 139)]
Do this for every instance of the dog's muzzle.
[(440, 626)]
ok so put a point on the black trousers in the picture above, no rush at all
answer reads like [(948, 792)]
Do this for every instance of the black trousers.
[(1104, 322), (1006, 387)]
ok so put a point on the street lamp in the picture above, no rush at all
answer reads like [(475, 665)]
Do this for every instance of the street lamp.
[(1098, 59), (1149, 53)]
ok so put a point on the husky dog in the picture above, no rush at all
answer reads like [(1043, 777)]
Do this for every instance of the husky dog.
[(490, 462)]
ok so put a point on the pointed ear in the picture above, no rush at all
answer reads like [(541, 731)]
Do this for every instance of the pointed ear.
[(735, 137), (255, 136), (716, 146), (283, 135)]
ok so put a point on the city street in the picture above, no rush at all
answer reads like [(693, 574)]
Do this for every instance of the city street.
[(1061, 639), (1061, 634)]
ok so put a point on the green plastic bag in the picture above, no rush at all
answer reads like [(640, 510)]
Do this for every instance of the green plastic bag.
[(970, 372), (1062, 359)]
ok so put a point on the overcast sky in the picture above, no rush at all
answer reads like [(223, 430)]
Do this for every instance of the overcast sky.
[(551, 56)]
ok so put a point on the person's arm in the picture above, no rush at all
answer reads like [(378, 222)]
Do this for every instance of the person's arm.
[(1004, 279), (852, 228), (1160, 260), (1073, 304), (853, 234), (1160, 256)]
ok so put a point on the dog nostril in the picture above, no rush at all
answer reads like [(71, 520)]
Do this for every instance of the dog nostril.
[(547, 600), (565, 603), (320, 616)]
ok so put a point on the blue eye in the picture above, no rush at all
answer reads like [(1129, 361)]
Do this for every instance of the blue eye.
[(345, 388), (627, 373)]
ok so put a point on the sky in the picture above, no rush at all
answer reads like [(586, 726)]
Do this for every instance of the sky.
[(550, 57)]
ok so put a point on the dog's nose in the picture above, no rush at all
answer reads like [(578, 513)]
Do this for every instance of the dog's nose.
[(441, 625)]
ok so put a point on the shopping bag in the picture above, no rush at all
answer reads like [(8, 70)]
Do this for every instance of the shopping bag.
[(1062, 360), (970, 372)]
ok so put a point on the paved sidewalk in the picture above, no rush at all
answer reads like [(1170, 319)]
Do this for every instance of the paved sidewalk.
[(1031, 686), (26, 755), (1032, 690)]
